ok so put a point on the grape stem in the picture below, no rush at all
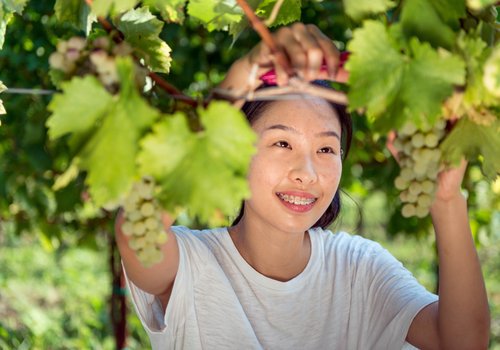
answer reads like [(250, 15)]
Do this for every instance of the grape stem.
[(118, 37), (296, 87), (266, 36)]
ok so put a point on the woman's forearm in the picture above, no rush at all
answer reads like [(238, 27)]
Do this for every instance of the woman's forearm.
[(464, 318)]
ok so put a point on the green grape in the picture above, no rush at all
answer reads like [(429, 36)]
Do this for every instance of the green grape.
[(418, 140), (428, 187), (431, 140), (408, 210), (424, 200), (128, 228), (152, 223), (400, 183), (147, 209), (134, 215), (421, 212), (139, 228), (407, 174), (408, 129), (56, 60), (76, 43), (407, 148), (143, 225), (415, 188), (420, 165)]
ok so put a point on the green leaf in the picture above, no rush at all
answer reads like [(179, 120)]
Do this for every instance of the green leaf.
[(75, 12), (215, 14), (171, 10), (142, 30), (16, 6), (470, 140), (104, 7), (478, 58), (76, 112), (4, 20), (421, 19), (479, 4), (204, 172), (394, 85), (289, 11), (359, 9), (110, 155)]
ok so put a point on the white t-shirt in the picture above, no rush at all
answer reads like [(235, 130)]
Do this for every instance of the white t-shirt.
[(353, 294)]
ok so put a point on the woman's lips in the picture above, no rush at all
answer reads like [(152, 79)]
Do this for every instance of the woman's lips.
[(298, 202)]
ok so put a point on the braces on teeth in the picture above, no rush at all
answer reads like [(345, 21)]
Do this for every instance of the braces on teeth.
[(296, 200)]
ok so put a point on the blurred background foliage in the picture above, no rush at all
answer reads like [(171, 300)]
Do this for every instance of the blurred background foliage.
[(55, 282)]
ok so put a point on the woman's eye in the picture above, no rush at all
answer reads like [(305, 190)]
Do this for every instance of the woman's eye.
[(282, 144), (327, 150)]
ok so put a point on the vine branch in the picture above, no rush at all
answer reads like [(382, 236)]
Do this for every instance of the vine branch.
[(266, 36)]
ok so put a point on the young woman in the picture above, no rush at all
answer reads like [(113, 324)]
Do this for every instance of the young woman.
[(277, 279)]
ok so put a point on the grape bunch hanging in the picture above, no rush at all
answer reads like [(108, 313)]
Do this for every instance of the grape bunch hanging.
[(420, 160), (143, 224)]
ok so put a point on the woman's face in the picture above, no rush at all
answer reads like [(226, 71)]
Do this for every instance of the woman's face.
[(296, 171)]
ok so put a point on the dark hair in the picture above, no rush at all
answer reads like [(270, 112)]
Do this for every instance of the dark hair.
[(254, 109)]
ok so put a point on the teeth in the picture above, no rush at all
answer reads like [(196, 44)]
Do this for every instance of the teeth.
[(296, 200)]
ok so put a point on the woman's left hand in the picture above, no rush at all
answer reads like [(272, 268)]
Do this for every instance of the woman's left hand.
[(449, 182)]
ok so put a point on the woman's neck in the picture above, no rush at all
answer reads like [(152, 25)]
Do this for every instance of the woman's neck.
[(275, 254)]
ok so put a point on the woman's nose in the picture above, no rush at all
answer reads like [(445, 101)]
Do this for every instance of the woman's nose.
[(303, 170)]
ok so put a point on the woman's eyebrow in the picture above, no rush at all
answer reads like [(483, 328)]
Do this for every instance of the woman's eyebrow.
[(329, 133)]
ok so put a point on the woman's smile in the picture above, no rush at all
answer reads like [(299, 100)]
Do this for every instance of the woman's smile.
[(296, 201)]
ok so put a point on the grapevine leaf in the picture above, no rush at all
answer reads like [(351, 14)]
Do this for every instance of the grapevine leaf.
[(491, 77), (76, 112), (288, 12), (168, 135), (421, 19), (450, 11), (204, 172), (359, 9), (75, 12), (470, 140), (16, 6), (479, 4), (373, 56), (142, 30), (215, 14), (414, 84), (109, 156), (171, 10), (2, 108), (104, 7), (480, 79)]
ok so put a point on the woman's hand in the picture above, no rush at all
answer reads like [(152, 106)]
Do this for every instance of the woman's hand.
[(449, 182), (306, 49)]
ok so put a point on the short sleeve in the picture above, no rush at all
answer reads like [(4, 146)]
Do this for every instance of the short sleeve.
[(393, 297), (163, 327)]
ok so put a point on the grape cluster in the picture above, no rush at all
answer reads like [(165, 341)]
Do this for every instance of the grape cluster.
[(419, 158), (143, 225), (68, 54), (79, 57)]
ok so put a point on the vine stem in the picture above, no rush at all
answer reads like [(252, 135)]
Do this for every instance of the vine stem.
[(266, 36), (162, 83)]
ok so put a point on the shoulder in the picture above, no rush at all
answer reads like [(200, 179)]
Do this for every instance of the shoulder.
[(354, 253)]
